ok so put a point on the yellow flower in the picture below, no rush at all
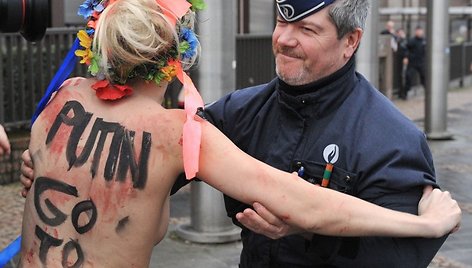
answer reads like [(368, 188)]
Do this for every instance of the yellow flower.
[(86, 43), (85, 39), (86, 55), (170, 71)]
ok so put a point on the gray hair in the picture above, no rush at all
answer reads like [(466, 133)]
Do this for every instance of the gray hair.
[(347, 15)]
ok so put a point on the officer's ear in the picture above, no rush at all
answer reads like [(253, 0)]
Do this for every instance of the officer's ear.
[(352, 41)]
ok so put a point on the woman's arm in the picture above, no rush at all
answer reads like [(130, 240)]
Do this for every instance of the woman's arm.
[(316, 209)]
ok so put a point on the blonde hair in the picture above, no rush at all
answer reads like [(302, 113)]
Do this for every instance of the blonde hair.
[(130, 33)]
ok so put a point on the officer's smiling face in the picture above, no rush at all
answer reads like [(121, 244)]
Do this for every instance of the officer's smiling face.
[(309, 49)]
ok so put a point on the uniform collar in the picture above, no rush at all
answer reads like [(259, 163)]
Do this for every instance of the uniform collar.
[(319, 97)]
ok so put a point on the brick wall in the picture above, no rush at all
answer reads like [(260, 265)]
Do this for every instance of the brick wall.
[(10, 164)]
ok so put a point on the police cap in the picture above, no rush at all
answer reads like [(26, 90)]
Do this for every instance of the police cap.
[(295, 10)]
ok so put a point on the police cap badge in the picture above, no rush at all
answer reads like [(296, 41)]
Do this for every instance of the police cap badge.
[(295, 10)]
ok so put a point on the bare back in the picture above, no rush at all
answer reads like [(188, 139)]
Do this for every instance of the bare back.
[(103, 173)]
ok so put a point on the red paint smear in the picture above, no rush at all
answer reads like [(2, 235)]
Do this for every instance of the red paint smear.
[(77, 81), (59, 198), (60, 140), (29, 256), (111, 197), (49, 113)]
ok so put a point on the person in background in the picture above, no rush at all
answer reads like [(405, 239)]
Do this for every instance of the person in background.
[(390, 30), (401, 61), (416, 61)]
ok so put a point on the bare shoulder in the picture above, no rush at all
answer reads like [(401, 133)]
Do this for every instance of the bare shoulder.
[(165, 125), (166, 128)]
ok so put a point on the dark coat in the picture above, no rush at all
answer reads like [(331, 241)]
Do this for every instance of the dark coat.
[(416, 51), (382, 158)]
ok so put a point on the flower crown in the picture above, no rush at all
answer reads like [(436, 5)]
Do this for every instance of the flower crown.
[(164, 70)]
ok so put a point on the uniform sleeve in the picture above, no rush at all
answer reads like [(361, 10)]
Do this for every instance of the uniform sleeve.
[(394, 177)]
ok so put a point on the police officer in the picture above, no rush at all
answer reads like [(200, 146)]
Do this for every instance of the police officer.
[(400, 62), (318, 114), (416, 60)]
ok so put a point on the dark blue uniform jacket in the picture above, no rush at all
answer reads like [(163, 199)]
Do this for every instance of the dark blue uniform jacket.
[(382, 158), (416, 51)]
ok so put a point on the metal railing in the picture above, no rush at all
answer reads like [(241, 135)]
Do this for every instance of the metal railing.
[(461, 61), (26, 70)]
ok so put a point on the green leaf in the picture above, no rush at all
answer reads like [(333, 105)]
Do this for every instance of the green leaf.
[(197, 4), (94, 67), (183, 47), (158, 78)]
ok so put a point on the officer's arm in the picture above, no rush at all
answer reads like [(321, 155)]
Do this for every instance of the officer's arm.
[(395, 178)]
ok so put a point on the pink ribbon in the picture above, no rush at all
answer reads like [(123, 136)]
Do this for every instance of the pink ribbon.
[(192, 131), (174, 9)]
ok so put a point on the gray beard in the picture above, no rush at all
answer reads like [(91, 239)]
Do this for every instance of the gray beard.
[(292, 81)]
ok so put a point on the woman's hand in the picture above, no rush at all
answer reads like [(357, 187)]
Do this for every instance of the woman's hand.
[(440, 210)]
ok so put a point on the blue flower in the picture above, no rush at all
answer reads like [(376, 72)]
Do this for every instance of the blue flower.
[(187, 35), (87, 8), (90, 31)]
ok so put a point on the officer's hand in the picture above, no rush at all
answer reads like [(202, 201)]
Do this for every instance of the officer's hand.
[(262, 221), (440, 210), (26, 176), (4, 142)]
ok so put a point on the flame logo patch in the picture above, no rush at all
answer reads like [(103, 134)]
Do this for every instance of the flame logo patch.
[(331, 153)]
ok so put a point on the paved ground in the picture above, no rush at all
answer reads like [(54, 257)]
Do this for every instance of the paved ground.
[(453, 160), (11, 212)]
